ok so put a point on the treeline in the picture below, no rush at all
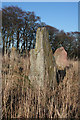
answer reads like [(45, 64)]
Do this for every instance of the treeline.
[(19, 30), (70, 41)]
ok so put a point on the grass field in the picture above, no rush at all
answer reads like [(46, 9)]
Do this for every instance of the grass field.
[(22, 100), (0, 85)]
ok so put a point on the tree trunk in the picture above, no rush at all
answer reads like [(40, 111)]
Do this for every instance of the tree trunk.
[(17, 40), (3, 49)]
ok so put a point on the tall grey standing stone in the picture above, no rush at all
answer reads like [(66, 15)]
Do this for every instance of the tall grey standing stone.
[(42, 68)]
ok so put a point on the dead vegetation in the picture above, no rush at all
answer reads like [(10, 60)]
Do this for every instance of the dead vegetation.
[(20, 99)]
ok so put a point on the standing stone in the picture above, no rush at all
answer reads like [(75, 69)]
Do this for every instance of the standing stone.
[(41, 61), (60, 56)]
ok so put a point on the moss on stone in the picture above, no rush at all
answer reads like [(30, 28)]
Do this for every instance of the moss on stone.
[(42, 59)]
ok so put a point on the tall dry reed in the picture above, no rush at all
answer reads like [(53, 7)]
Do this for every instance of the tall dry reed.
[(20, 99)]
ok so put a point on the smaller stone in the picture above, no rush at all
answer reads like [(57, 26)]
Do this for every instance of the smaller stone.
[(60, 56)]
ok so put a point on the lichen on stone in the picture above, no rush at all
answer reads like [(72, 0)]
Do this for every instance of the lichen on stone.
[(41, 60)]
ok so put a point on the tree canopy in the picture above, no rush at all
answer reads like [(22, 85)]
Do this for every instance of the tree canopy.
[(19, 30)]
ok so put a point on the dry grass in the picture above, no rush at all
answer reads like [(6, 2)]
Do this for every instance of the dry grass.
[(22, 100)]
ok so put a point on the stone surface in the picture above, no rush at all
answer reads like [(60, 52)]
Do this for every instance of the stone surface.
[(42, 68), (60, 56)]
